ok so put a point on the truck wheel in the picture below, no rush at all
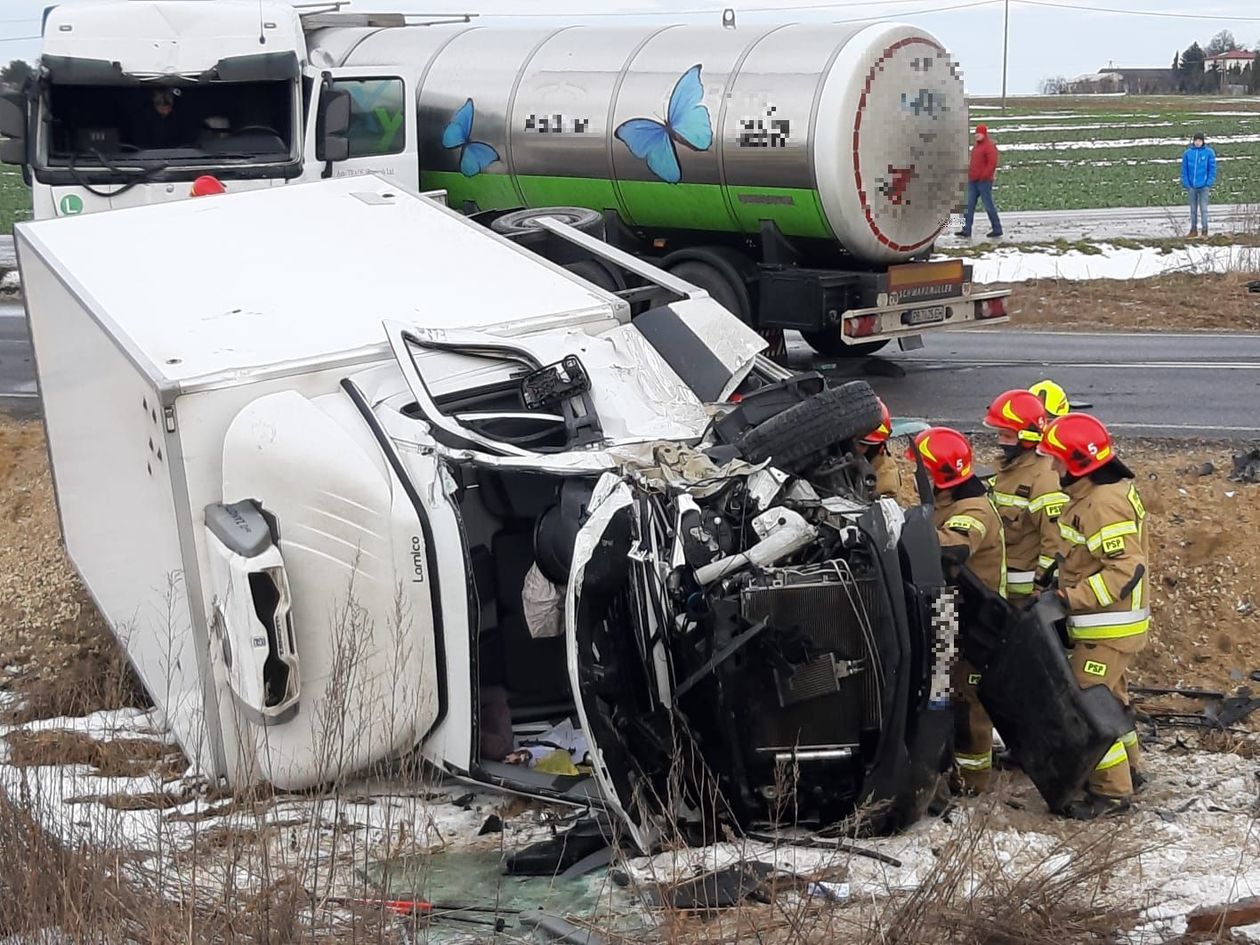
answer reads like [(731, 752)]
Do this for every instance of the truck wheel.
[(598, 274), (800, 436), (828, 342), (524, 223), (725, 287)]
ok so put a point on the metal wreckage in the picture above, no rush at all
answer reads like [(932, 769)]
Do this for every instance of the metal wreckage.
[(739, 630)]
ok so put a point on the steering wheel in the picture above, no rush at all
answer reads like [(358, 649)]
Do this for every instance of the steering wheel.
[(264, 128)]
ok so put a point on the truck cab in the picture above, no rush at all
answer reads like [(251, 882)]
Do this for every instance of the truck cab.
[(134, 101)]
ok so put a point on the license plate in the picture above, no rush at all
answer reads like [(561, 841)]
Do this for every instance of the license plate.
[(924, 316)]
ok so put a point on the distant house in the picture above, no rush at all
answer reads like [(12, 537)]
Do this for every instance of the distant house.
[(1137, 81), (1144, 81), (1236, 60)]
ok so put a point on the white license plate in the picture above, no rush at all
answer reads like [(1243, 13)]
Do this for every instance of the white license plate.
[(924, 316)]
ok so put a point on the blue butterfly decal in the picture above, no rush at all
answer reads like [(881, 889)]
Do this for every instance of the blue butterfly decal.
[(687, 121), (474, 156)]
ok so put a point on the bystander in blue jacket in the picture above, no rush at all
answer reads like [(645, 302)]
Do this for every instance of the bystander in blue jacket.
[(1198, 174)]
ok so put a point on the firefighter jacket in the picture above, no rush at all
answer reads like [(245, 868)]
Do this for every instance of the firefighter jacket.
[(1027, 494), (1104, 576), (887, 478), (973, 522)]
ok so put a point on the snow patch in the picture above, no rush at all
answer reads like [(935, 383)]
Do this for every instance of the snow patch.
[(1120, 143), (1014, 265)]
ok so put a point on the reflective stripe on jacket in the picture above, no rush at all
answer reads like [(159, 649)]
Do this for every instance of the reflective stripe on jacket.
[(1104, 574), (974, 523), (1028, 497)]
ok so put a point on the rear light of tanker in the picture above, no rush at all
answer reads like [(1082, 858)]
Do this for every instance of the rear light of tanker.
[(861, 327), (991, 308)]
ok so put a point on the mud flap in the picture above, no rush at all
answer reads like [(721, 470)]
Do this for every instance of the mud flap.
[(1057, 731)]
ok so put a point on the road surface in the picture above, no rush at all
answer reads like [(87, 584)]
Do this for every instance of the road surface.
[(18, 396), (1174, 385), (1157, 384)]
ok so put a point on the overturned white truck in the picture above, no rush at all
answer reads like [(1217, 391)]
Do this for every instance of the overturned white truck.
[(312, 447)]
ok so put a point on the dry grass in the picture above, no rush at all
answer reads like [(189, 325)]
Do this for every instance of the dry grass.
[(1175, 302), (1059, 898), (116, 758)]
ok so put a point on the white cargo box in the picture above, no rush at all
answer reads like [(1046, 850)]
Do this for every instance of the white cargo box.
[(146, 353)]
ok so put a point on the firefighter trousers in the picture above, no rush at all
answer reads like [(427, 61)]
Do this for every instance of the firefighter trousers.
[(1096, 664), (973, 732)]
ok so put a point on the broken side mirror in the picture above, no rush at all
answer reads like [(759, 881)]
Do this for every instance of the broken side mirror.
[(13, 128), (333, 127)]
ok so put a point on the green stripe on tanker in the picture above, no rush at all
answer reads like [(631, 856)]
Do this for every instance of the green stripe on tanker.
[(646, 203)]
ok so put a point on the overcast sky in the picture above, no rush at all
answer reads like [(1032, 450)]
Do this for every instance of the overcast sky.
[(1044, 41)]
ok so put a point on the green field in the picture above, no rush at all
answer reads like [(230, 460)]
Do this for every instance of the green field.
[(1058, 152), (1068, 153), (15, 198)]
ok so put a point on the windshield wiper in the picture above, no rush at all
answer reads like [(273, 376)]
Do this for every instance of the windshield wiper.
[(142, 175)]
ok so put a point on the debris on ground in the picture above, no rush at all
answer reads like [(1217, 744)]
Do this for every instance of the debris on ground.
[(1246, 467)]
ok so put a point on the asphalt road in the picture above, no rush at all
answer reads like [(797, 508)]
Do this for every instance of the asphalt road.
[(1160, 385), (18, 395)]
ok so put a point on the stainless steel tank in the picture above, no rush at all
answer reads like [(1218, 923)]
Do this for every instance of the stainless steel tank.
[(855, 134)]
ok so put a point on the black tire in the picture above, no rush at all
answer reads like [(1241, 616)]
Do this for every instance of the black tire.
[(598, 274), (828, 342), (725, 288), (524, 223), (801, 435)]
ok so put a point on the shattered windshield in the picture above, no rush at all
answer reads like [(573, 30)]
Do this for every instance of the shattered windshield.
[(228, 122)]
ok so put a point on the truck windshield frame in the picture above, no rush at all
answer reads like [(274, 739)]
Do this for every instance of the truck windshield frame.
[(107, 132)]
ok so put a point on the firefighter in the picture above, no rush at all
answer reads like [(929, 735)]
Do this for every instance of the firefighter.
[(1103, 581), (1053, 396), (967, 523), (874, 446), (1026, 491)]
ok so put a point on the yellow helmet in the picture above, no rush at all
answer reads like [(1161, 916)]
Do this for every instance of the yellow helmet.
[(1053, 396)]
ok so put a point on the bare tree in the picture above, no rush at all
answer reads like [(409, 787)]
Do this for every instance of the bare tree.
[(1222, 42)]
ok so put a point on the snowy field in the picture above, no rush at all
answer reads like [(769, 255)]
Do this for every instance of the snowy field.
[(1107, 151)]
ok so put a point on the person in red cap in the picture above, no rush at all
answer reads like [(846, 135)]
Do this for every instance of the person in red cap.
[(205, 185), (984, 162)]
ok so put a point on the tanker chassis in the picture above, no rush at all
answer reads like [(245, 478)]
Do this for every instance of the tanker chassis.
[(798, 173)]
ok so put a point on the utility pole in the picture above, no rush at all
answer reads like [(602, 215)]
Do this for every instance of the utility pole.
[(1006, 33)]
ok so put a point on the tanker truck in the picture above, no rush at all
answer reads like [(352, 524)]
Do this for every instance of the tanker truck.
[(799, 173)]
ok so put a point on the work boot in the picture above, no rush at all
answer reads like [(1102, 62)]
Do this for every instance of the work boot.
[(994, 234), (1139, 779), (1192, 235), (965, 234), (1092, 806)]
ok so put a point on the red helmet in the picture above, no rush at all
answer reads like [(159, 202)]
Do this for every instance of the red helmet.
[(1019, 411), (205, 186), (946, 455), (882, 432), (1079, 441)]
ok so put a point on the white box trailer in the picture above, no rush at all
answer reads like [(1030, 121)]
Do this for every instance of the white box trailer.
[(153, 328)]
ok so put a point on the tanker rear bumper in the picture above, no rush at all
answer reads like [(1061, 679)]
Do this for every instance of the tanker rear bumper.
[(864, 325)]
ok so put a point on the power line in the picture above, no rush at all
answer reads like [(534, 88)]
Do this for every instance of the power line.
[(1151, 13), (787, 8)]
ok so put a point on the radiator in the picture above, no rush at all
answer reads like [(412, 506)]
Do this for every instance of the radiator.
[(838, 693)]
